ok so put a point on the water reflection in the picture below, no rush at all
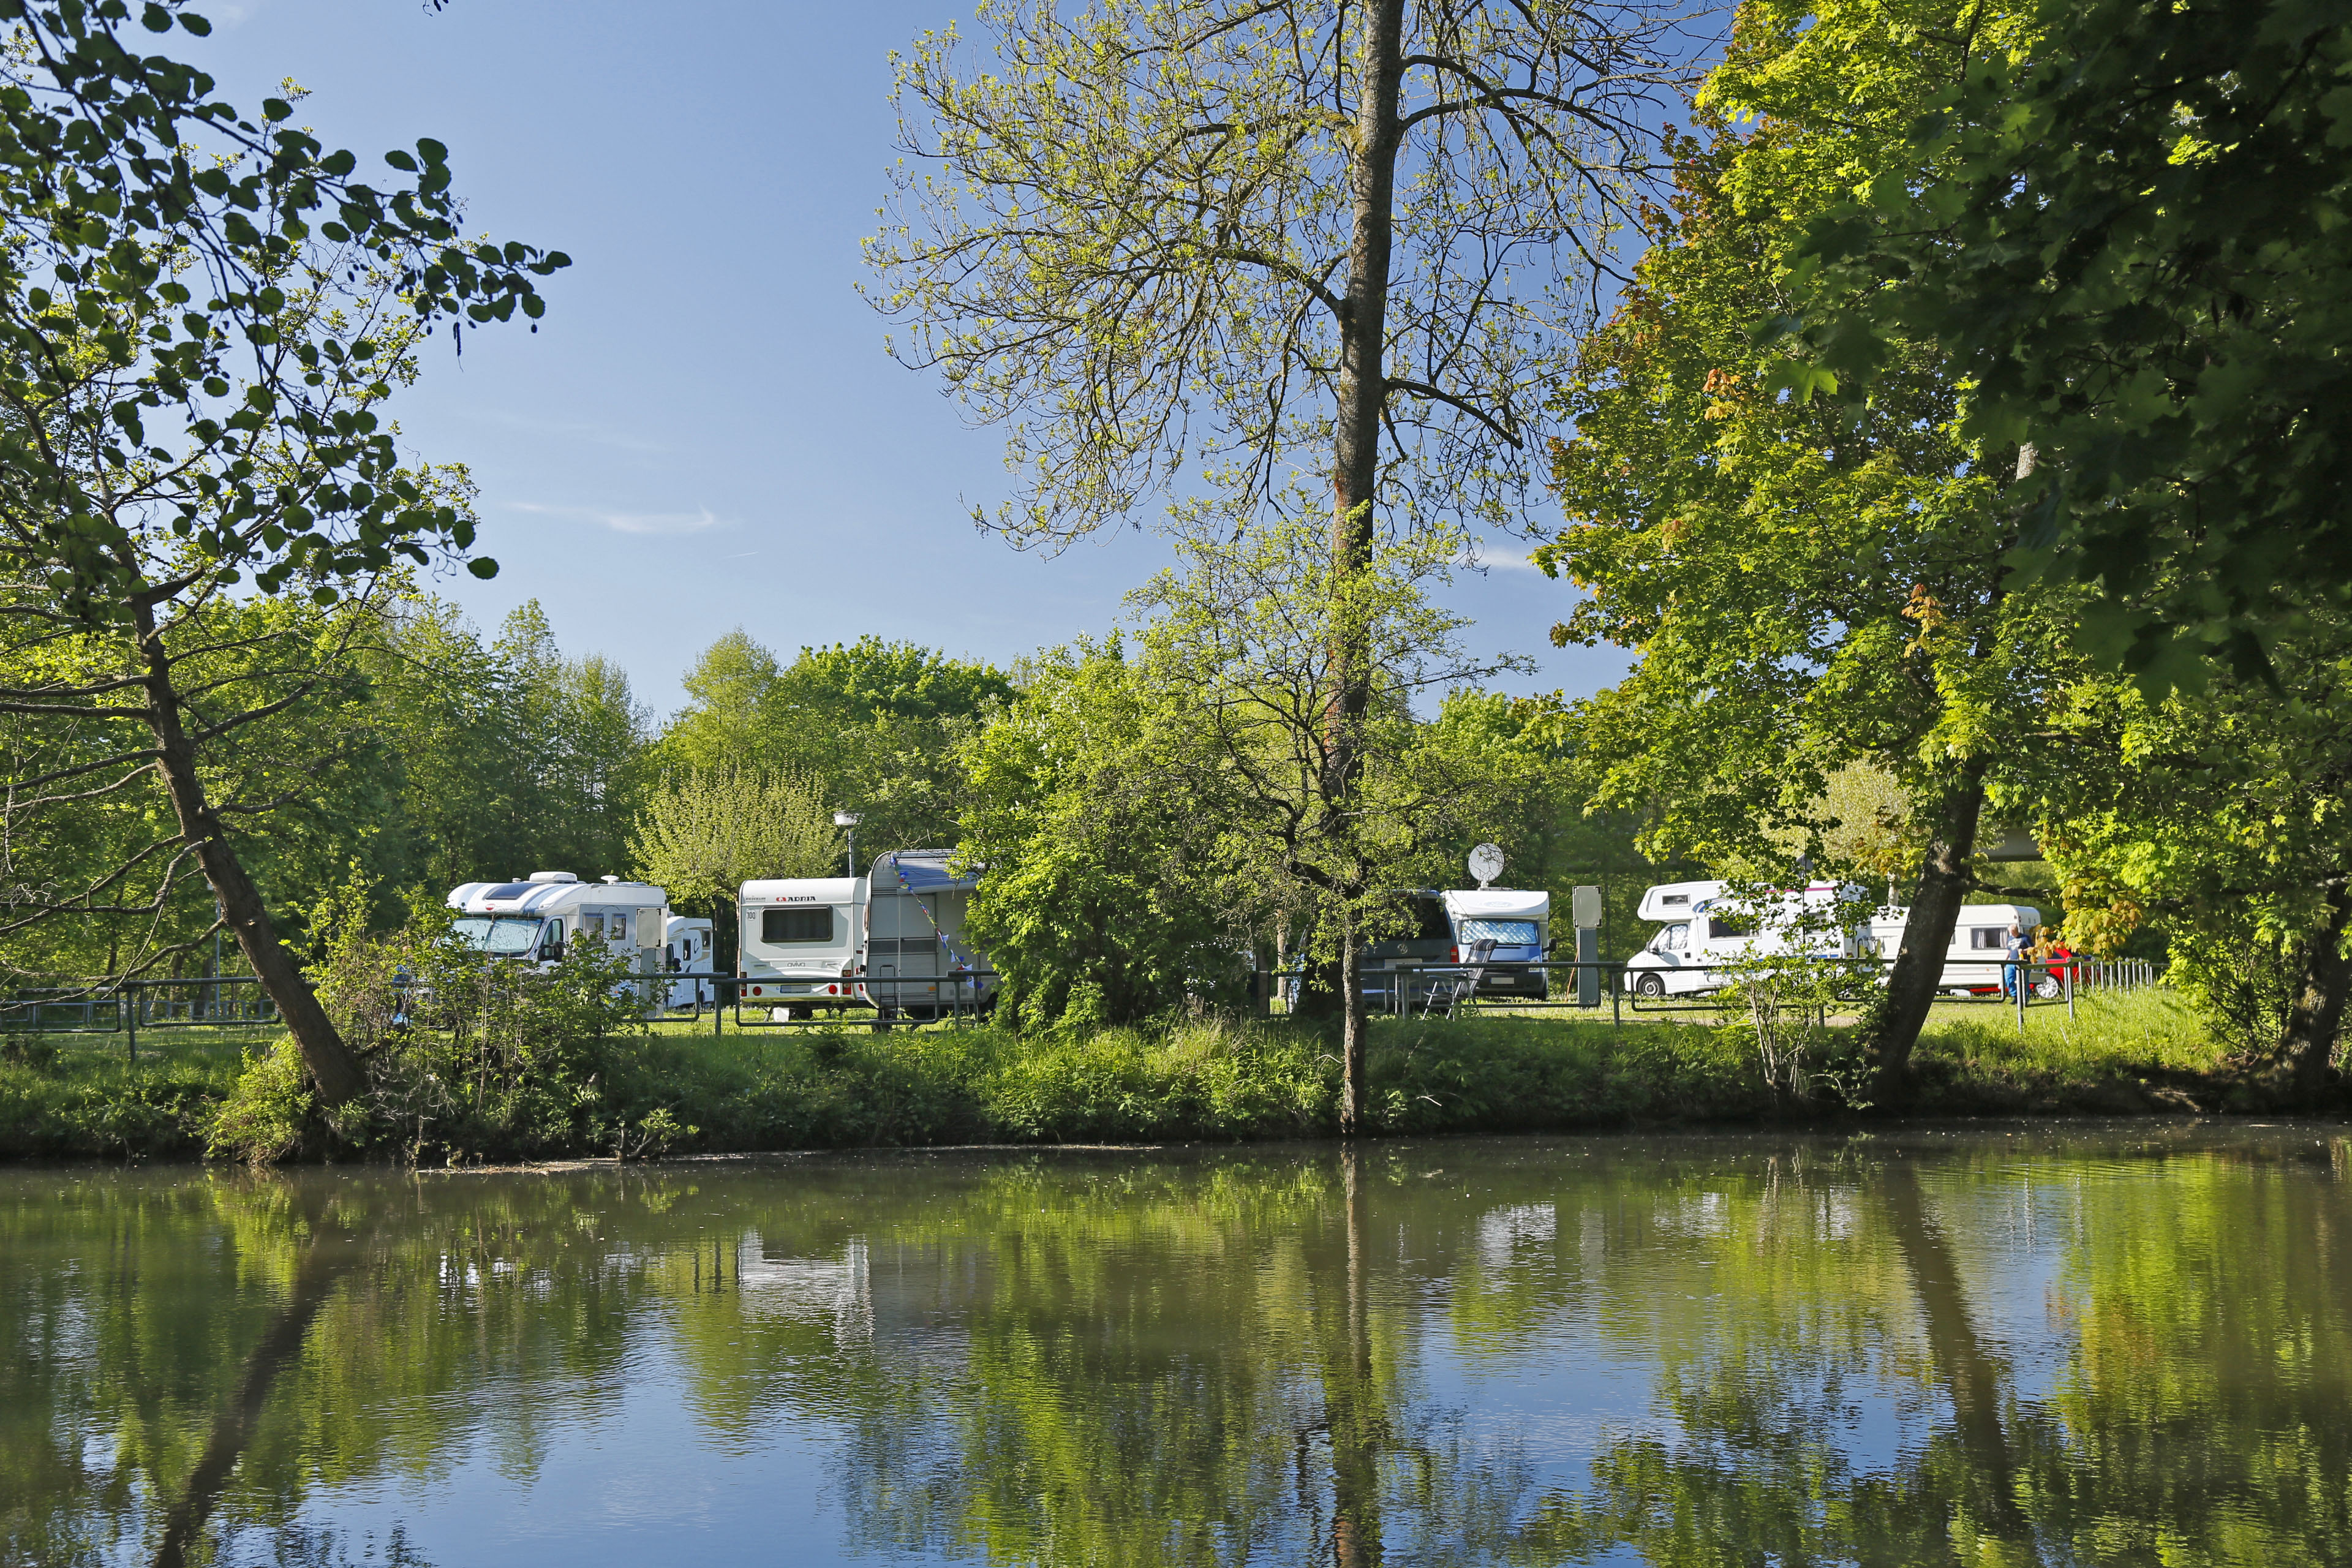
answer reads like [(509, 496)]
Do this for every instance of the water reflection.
[(2016, 1348)]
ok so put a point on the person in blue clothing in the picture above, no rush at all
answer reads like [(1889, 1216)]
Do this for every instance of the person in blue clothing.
[(2013, 954)]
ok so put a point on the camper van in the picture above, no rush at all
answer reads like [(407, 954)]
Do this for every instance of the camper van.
[(1980, 937), (688, 951), (537, 918), (1700, 928), (1447, 924), (892, 941)]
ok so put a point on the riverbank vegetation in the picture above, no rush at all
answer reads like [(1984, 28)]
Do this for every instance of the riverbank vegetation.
[(1886, 613), (673, 1088)]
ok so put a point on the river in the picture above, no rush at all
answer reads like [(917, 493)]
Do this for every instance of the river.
[(2123, 1343)]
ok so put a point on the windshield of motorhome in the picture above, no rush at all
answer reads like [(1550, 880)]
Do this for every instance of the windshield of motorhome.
[(502, 936), (1501, 933)]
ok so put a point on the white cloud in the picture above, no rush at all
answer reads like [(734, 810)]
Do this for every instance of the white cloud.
[(626, 522), (1509, 556)]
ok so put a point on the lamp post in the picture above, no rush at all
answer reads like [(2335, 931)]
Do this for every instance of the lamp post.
[(847, 822)]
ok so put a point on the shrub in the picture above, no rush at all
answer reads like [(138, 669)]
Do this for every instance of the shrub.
[(467, 1057)]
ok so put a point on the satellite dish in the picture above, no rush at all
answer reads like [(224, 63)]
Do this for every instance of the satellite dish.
[(1486, 863)]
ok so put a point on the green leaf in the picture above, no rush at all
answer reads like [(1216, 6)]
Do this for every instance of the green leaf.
[(482, 566)]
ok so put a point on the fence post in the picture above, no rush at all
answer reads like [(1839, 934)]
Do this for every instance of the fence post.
[(1617, 996), (716, 996), (131, 996)]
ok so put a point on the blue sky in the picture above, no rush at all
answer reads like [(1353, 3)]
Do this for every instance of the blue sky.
[(705, 432)]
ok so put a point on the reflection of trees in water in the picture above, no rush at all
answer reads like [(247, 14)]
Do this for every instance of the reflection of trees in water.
[(217, 1351), (1063, 1362), (2185, 1428), (1189, 1367)]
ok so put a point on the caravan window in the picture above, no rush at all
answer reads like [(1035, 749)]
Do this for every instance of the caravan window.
[(1673, 939), (1723, 925), (617, 927), (1987, 939), (591, 925), (779, 926)]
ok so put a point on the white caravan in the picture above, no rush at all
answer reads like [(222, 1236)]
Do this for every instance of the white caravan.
[(803, 938), (1699, 928), (1979, 939), (892, 941)]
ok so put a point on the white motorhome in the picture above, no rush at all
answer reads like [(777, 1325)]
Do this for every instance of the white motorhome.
[(535, 919), (892, 941), (688, 951), (1972, 962), (1701, 927), (1519, 925)]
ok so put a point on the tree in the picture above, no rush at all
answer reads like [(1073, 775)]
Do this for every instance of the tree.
[(96, 880), (1213, 244), (876, 724), (502, 756), (203, 316), (2223, 817), (1109, 889), (2124, 238), (1808, 591), (1242, 642), (703, 835)]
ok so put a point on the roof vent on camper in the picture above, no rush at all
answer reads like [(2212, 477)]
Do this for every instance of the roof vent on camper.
[(553, 876), (608, 880)]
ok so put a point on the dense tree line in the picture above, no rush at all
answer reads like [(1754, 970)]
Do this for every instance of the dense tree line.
[(1962, 450)]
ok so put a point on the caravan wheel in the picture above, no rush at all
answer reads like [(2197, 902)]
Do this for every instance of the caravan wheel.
[(1651, 985)]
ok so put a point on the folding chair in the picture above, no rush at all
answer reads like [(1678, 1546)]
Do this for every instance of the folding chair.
[(1461, 984)]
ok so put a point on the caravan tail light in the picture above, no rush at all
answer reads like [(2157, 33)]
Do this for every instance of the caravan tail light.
[(758, 991), (1456, 951)]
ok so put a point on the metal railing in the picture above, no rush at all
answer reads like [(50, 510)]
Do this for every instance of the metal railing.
[(1419, 988), (126, 1007), (957, 997)]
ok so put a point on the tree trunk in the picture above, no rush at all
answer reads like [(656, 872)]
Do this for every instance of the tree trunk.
[(1918, 971), (1355, 468), (327, 1259), (2309, 1045), (1354, 1026), (1352, 1411), (335, 1071), (1969, 1376)]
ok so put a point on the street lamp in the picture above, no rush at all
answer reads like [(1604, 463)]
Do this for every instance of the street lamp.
[(847, 821)]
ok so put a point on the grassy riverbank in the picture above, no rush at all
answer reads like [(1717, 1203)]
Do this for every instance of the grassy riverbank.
[(1213, 1081)]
